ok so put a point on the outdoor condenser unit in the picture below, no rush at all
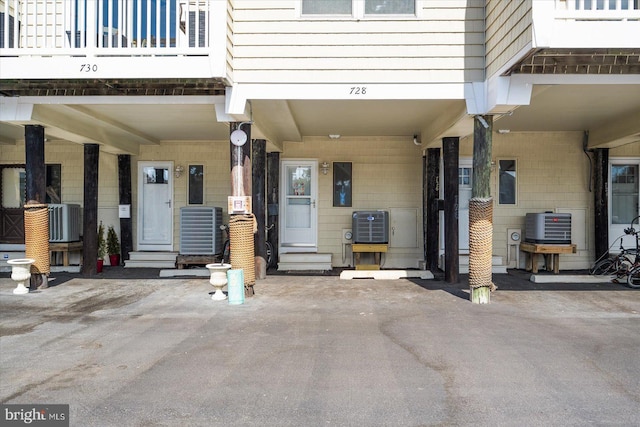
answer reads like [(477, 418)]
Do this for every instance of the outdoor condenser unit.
[(370, 227), (548, 227), (65, 222), (200, 232)]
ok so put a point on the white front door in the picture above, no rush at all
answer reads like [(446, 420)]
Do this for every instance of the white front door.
[(299, 222), (624, 196), (155, 206)]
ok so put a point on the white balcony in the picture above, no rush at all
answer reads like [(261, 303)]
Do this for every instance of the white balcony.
[(596, 24), (113, 38)]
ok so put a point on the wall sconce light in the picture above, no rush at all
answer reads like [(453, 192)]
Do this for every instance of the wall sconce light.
[(178, 171), (324, 167)]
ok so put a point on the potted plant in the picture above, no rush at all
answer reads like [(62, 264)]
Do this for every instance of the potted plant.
[(113, 246), (102, 247)]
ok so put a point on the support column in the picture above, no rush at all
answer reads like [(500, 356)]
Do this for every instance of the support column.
[(36, 219), (432, 212), (124, 193), (90, 212), (241, 225), (258, 172), (481, 213), (273, 196), (450, 153), (601, 201)]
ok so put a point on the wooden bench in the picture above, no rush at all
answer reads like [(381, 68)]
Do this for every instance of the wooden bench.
[(376, 248), (65, 248), (551, 253)]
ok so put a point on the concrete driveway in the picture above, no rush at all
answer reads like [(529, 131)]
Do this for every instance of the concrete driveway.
[(318, 351)]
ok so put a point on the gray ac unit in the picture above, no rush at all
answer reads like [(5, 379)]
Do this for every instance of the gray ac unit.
[(370, 226), (65, 222), (548, 227), (200, 232)]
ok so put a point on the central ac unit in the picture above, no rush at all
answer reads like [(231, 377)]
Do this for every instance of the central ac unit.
[(370, 227), (200, 232), (65, 222), (548, 227)]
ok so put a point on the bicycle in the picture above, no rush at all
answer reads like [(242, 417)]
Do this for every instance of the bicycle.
[(633, 275), (226, 247), (618, 264)]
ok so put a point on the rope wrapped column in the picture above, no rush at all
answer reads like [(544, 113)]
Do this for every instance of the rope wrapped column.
[(241, 230), (480, 245), (36, 236)]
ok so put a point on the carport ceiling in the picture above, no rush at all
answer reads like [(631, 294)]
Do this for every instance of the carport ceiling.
[(369, 118), (573, 108)]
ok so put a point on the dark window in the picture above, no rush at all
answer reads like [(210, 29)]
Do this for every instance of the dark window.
[(196, 184)]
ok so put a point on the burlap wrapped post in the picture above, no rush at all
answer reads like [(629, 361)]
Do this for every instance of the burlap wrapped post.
[(36, 236), (480, 242), (241, 230)]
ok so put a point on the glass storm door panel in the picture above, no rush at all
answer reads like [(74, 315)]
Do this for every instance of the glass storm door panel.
[(155, 210), (299, 222), (623, 200)]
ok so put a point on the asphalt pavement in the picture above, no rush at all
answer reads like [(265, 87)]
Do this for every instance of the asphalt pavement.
[(130, 349)]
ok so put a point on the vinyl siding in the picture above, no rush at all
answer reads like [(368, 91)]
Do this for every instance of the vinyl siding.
[(509, 30), (272, 43)]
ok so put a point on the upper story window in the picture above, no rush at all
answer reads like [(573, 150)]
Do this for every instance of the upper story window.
[(359, 8)]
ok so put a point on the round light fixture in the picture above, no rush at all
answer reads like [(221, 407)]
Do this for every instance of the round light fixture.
[(238, 137)]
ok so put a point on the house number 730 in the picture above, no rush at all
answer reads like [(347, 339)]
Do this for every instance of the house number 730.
[(358, 90), (88, 68)]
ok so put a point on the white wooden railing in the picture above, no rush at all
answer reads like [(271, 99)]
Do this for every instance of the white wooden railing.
[(105, 27), (598, 10)]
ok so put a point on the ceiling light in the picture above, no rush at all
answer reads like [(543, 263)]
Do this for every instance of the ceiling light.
[(334, 136)]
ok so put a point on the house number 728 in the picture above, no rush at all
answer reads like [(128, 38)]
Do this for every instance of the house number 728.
[(88, 68), (358, 90)]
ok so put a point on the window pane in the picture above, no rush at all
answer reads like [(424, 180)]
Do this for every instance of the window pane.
[(507, 182), (326, 7), (394, 7), (196, 188), (54, 179), (14, 184), (624, 193)]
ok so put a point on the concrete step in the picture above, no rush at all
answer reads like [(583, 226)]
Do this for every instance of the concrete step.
[(149, 264), (304, 261), (151, 260)]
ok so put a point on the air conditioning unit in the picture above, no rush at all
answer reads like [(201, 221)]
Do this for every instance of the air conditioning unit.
[(370, 226), (200, 232), (65, 222), (548, 227)]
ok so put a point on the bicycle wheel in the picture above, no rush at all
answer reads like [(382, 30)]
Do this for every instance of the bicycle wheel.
[(604, 267), (633, 277), (269, 255)]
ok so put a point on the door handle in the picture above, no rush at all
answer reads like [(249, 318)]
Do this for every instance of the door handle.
[(313, 203), (168, 203)]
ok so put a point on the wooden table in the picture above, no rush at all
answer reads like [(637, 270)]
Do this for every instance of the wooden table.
[(376, 248), (65, 248), (551, 253)]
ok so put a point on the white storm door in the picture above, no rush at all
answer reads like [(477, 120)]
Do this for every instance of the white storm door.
[(299, 225), (624, 196), (155, 206)]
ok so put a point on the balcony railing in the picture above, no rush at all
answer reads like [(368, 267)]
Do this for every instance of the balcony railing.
[(598, 10), (105, 27)]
